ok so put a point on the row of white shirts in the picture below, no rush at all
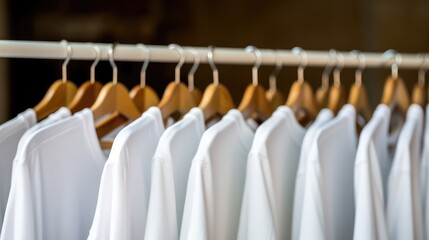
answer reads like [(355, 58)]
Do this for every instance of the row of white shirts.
[(230, 181)]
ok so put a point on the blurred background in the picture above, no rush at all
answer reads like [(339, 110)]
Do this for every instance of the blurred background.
[(366, 25)]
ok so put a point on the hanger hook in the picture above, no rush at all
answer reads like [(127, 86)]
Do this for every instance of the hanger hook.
[(179, 49), (328, 68), (389, 54), (258, 61), (422, 70), (145, 64), (69, 52), (303, 64), (97, 51), (111, 53), (210, 57), (338, 68), (362, 64), (193, 68), (276, 71)]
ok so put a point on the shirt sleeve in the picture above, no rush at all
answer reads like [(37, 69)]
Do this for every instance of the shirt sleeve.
[(257, 219), (100, 228), (199, 209), (162, 215), (19, 221)]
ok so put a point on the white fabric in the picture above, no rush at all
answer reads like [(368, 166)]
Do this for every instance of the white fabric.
[(425, 174), (328, 203), (272, 164), (170, 171), (125, 183), (216, 181), (372, 165), (55, 182), (10, 133), (404, 212), (322, 118)]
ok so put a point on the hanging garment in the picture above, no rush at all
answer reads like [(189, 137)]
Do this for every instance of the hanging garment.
[(170, 171), (55, 182), (272, 164), (372, 165), (10, 133), (425, 174), (324, 116), (404, 213), (216, 180), (125, 183), (328, 206)]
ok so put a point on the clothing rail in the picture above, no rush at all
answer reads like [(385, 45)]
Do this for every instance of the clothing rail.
[(127, 52)]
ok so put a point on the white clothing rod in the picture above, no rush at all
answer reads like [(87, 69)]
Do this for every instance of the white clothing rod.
[(127, 52)]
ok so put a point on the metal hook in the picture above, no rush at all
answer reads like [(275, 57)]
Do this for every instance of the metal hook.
[(97, 50), (193, 68), (179, 49), (210, 58), (329, 66), (275, 73), (338, 68), (422, 71), (389, 54), (258, 61), (362, 64), (145, 64), (112, 62), (67, 59), (303, 64)]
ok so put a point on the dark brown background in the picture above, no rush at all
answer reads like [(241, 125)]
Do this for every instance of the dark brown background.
[(313, 25)]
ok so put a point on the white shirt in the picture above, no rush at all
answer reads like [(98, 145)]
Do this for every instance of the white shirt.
[(425, 173), (328, 203), (322, 118), (170, 171), (55, 182), (272, 164), (216, 181), (404, 211), (10, 133), (372, 165), (125, 183)]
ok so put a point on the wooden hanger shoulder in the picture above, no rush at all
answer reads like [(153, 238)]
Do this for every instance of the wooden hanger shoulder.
[(59, 94), (176, 98), (144, 97), (255, 103), (337, 98), (301, 101), (275, 97), (114, 97), (419, 95), (216, 101), (85, 96), (395, 94)]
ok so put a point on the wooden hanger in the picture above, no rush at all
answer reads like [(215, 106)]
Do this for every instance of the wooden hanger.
[(113, 98), (89, 90), (60, 93), (274, 96), (216, 100), (358, 95), (254, 103), (419, 95), (143, 95), (322, 93), (337, 94), (301, 98), (395, 94), (177, 100)]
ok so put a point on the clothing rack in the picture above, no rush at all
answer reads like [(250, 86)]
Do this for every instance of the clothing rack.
[(127, 52)]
